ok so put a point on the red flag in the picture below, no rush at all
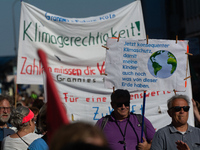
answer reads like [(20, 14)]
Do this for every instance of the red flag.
[(56, 113)]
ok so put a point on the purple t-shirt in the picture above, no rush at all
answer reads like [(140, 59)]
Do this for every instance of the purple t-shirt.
[(132, 135)]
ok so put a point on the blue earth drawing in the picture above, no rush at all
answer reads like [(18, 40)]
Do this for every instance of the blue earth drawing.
[(162, 64)]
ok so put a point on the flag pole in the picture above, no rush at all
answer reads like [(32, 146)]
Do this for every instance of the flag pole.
[(15, 95), (143, 110)]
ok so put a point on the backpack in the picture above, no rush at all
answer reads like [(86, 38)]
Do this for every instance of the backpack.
[(139, 117)]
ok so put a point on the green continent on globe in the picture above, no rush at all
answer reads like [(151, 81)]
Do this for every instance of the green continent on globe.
[(156, 67), (172, 60)]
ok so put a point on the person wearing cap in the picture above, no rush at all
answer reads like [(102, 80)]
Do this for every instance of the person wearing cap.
[(23, 119), (123, 130), (179, 134)]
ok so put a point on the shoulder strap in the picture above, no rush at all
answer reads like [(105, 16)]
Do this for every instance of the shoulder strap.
[(139, 117), (23, 140), (104, 121)]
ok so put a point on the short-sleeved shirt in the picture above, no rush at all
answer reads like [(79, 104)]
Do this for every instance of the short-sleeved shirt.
[(1, 131), (9, 143), (165, 138), (132, 134), (38, 144)]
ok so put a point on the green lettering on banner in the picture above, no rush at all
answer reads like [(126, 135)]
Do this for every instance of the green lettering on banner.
[(83, 41), (138, 26), (47, 34), (127, 32), (66, 39), (61, 41), (55, 41), (71, 40), (76, 40), (35, 32), (97, 37), (39, 36), (101, 38), (121, 33), (104, 37), (91, 39), (113, 35), (25, 30), (132, 27)]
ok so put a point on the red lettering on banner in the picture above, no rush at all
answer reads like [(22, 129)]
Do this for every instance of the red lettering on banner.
[(71, 98), (75, 72), (147, 95), (32, 69), (70, 71), (30, 73), (102, 69), (98, 99), (87, 99), (89, 71), (136, 96), (104, 99), (131, 97), (65, 96), (23, 65), (141, 95), (152, 94)]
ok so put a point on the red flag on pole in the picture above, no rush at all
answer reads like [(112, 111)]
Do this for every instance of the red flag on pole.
[(56, 113)]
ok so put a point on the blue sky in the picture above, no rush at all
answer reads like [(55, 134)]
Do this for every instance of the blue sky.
[(65, 8)]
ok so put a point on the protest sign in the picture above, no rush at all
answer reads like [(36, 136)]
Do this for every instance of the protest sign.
[(92, 103), (76, 42), (76, 60), (136, 65)]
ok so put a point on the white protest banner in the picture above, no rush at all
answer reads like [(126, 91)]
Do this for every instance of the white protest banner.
[(136, 65), (92, 103), (76, 42)]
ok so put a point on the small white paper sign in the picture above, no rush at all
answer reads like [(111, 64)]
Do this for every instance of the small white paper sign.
[(136, 65)]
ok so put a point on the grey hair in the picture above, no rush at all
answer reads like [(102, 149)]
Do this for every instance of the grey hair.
[(178, 96), (17, 116)]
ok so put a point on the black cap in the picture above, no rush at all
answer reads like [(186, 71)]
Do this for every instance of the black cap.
[(120, 93)]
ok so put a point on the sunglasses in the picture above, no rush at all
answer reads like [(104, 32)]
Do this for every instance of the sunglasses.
[(178, 108), (121, 104)]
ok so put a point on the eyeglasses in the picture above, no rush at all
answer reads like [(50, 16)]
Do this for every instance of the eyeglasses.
[(121, 104), (178, 108), (5, 108), (33, 120)]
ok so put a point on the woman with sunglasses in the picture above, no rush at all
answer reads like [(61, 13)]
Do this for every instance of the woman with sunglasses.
[(23, 119)]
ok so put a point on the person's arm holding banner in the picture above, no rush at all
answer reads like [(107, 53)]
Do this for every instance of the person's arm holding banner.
[(196, 111), (145, 145)]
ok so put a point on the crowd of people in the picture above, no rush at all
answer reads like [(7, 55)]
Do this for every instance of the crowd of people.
[(24, 127)]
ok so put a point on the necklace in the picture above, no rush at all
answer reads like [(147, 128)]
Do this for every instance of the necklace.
[(123, 134)]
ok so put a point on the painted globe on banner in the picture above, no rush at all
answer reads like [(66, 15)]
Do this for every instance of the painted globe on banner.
[(162, 64)]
